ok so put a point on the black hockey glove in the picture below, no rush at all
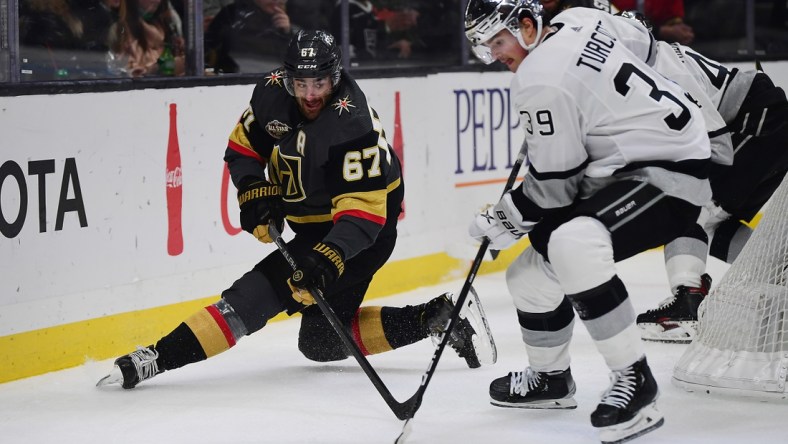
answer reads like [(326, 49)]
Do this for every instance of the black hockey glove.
[(318, 268), (261, 204)]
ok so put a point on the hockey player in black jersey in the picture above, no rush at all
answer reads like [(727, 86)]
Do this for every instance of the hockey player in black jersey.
[(311, 151), (619, 160)]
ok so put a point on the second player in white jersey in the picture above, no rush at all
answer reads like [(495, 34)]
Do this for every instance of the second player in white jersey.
[(752, 115), (726, 88), (706, 84)]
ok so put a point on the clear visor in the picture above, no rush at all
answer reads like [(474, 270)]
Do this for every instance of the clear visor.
[(300, 86), (483, 53)]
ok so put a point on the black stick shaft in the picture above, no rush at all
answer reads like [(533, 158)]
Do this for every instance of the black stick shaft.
[(403, 410), (399, 409), (415, 400)]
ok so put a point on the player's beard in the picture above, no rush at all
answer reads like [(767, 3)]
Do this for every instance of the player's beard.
[(311, 108)]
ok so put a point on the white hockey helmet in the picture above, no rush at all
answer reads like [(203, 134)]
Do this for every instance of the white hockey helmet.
[(486, 18)]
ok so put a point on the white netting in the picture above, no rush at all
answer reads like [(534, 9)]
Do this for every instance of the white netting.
[(742, 341)]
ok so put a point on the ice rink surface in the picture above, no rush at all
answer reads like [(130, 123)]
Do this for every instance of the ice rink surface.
[(265, 391)]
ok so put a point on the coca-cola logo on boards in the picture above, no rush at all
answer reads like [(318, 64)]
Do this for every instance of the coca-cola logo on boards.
[(174, 187), (174, 178)]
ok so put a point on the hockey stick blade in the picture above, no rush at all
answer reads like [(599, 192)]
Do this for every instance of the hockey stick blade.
[(455, 314), (406, 428), (401, 410)]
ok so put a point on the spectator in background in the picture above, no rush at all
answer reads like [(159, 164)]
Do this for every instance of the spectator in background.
[(248, 36), (181, 9), (210, 8), (401, 21), (438, 36), (311, 14), (667, 17), (147, 38), (366, 31), (49, 23), (98, 16), (376, 33), (49, 33)]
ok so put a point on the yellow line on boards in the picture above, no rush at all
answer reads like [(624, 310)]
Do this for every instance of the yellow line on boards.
[(64, 346)]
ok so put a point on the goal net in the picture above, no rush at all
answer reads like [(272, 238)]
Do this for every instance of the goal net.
[(741, 345)]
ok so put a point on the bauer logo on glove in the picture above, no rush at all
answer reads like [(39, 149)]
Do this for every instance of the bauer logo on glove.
[(503, 224)]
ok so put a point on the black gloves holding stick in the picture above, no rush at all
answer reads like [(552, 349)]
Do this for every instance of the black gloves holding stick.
[(317, 269), (261, 204)]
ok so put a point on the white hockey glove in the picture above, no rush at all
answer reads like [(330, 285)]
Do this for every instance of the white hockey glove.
[(711, 216), (503, 224)]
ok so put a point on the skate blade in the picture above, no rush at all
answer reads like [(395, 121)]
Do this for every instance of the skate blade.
[(114, 377), (647, 420), (552, 404), (483, 342), (680, 333)]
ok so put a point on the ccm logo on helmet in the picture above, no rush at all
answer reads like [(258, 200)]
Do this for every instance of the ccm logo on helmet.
[(307, 66)]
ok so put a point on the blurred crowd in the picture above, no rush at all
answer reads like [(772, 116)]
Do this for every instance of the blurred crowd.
[(78, 39), (63, 39)]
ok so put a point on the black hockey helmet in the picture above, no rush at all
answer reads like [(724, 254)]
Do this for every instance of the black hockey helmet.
[(312, 54), (486, 18)]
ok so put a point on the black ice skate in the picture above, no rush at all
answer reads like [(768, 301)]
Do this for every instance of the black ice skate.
[(676, 319), (629, 406), (534, 390), (133, 368), (437, 313)]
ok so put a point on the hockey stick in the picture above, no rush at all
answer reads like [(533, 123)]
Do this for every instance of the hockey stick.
[(455, 314), (402, 410)]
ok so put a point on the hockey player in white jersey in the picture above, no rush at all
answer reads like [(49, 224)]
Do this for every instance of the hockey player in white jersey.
[(750, 112), (619, 160)]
